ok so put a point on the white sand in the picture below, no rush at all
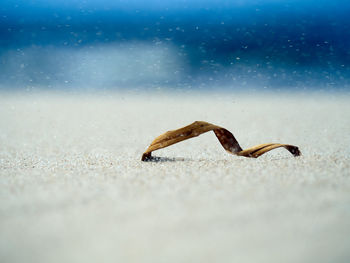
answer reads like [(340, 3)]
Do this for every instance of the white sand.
[(73, 188)]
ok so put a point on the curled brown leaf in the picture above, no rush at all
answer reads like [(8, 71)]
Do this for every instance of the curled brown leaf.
[(225, 137)]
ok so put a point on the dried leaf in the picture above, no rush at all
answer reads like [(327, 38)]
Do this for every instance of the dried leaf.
[(225, 137)]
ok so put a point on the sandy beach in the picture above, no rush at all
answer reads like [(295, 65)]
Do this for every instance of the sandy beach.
[(73, 188)]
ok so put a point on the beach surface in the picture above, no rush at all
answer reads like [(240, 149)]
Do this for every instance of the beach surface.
[(73, 188)]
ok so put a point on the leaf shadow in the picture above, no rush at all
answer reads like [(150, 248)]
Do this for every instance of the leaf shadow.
[(156, 159)]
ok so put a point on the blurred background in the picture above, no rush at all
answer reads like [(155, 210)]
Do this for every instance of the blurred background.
[(175, 44)]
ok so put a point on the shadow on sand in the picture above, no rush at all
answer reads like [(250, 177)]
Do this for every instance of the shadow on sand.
[(156, 159)]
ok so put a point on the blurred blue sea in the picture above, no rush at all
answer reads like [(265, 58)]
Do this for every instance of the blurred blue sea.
[(259, 44)]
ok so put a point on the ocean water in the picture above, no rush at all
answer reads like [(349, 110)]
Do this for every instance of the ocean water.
[(185, 45)]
